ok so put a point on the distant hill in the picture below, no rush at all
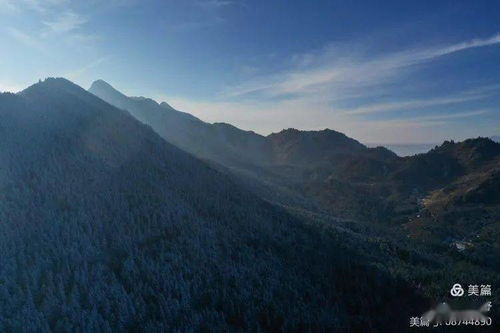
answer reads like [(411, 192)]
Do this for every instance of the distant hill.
[(294, 147), (432, 194), (107, 227), (461, 191), (344, 177)]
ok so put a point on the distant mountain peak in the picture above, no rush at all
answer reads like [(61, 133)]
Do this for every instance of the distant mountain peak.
[(326, 134), (101, 85), (294, 131), (52, 84), (290, 130), (53, 81), (107, 92), (479, 143), (166, 105)]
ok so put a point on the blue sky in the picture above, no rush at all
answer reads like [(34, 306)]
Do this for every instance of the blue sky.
[(396, 72)]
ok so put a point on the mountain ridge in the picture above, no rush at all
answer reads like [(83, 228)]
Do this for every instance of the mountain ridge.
[(348, 179), (227, 143)]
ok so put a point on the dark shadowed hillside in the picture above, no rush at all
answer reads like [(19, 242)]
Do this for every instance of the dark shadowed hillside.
[(294, 147), (107, 227)]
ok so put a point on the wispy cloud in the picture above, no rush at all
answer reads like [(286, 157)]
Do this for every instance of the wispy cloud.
[(58, 18), (75, 74), (453, 115), (200, 14), (40, 6), (27, 39), (53, 23), (427, 121), (478, 42), (272, 116), (306, 94), (412, 104), (335, 70), (216, 3), (65, 22)]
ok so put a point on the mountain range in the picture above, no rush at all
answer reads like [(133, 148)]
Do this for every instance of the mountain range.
[(427, 194), (445, 200), (108, 227), (227, 144), (121, 214)]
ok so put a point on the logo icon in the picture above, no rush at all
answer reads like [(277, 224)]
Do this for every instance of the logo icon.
[(457, 290)]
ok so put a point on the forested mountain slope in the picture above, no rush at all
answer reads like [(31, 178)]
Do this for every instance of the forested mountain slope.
[(107, 227)]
